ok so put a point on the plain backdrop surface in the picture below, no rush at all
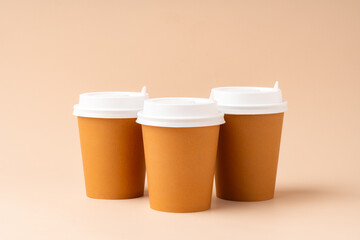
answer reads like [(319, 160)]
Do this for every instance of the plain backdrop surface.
[(51, 51)]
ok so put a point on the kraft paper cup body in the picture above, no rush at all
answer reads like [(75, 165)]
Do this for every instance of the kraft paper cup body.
[(111, 144), (248, 157), (113, 157), (180, 167), (249, 142), (180, 141)]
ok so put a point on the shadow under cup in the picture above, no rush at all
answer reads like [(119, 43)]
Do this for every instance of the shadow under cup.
[(113, 157), (247, 157)]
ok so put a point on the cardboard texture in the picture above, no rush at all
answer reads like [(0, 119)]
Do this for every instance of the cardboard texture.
[(248, 157), (180, 164), (113, 157)]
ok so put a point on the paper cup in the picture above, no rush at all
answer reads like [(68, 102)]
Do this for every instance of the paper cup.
[(248, 157), (180, 141), (180, 167), (249, 142), (111, 144), (113, 157)]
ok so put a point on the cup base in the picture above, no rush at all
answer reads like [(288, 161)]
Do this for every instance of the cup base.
[(179, 210), (94, 196), (245, 199)]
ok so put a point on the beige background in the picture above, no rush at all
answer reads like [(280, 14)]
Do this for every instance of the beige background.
[(51, 51)]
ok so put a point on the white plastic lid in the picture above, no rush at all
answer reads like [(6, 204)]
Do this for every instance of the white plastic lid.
[(249, 100), (180, 112), (110, 104)]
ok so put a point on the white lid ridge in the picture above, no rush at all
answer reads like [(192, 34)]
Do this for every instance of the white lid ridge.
[(110, 104), (249, 100), (180, 112)]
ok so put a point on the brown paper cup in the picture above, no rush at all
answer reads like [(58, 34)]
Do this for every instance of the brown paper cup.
[(180, 165), (113, 157), (248, 157)]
